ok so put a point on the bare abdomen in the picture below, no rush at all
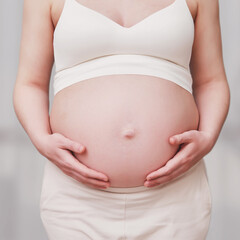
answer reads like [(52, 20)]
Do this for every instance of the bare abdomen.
[(125, 122)]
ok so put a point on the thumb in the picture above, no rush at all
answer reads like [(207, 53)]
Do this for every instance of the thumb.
[(73, 146), (180, 138)]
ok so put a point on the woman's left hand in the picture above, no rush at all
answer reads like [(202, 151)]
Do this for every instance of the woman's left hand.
[(194, 145)]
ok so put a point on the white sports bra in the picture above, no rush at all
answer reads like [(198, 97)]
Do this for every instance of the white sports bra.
[(88, 44)]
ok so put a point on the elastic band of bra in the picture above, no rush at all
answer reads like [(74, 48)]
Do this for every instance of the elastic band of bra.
[(123, 64)]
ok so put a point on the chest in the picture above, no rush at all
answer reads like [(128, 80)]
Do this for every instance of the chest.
[(124, 13)]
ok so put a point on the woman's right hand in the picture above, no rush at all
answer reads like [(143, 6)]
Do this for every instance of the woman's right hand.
[(58, 149)]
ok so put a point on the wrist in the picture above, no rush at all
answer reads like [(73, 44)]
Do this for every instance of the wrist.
[(39, 140), (211, 139)]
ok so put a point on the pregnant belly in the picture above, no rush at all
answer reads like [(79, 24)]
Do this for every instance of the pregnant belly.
[(124, 121)]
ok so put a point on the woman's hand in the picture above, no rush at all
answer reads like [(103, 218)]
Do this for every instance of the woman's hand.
[(194, 145), (58, 149)]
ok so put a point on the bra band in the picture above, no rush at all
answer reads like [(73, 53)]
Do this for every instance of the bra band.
[(123, 64)]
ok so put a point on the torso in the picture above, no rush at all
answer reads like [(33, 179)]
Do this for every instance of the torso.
[(124, 120)]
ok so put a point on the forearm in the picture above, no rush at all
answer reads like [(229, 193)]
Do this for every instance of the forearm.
[(31, 104), (212, 99)]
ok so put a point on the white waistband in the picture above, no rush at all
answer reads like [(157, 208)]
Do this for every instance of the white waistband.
[(123, 64)]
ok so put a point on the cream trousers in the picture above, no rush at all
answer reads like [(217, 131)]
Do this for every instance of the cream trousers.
[(177, 210)]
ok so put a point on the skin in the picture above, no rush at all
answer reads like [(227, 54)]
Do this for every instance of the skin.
[(100, 112), (31, 92)]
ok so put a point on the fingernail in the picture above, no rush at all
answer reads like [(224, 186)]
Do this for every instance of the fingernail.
[(105, 179), (150, 177), (81, 148), (147, 184)]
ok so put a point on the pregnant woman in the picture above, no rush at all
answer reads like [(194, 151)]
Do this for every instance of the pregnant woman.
[(140, 97)]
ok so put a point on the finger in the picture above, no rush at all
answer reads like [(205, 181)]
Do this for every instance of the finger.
[(97, 183), (74, 165), (178, 160), (167, 169), (72, 145), (89, 181), (165, 179), (81, 179), (77, 176), (89, 173), (181, 138)]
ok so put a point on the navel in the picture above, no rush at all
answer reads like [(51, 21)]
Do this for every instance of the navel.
[(128, 132)]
